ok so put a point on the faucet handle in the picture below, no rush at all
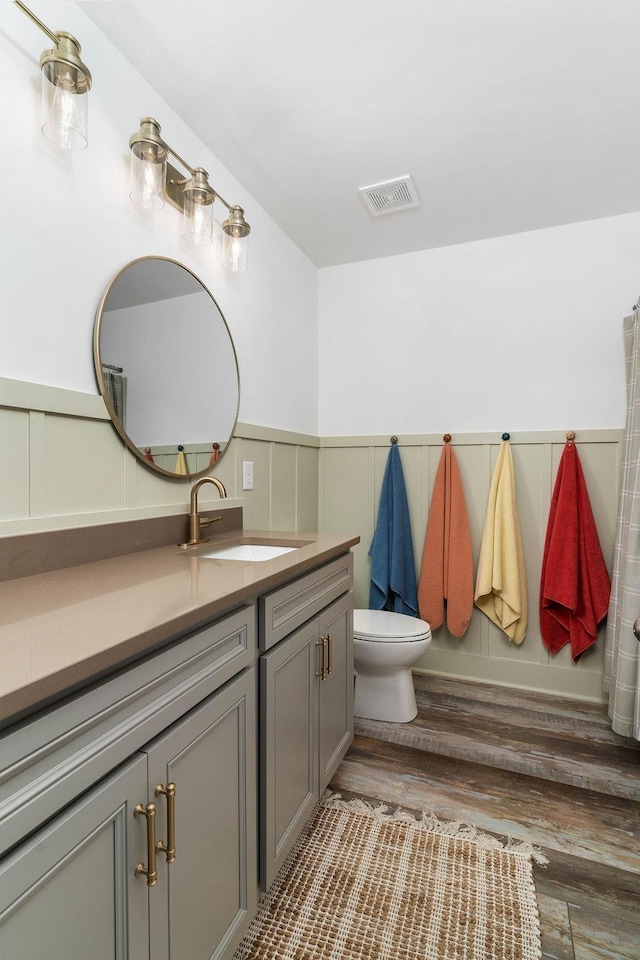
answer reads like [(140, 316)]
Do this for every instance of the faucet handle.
[(205, 521)]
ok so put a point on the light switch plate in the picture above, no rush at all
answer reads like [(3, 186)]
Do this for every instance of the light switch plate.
[(247, 474)]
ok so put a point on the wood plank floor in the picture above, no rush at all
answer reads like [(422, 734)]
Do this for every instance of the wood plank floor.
[(533, 767)]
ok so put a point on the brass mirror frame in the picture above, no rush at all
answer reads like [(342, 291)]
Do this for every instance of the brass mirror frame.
[(97, 363)]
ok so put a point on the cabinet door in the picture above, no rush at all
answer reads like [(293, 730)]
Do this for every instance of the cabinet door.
[(204, 901), (336, 691), (288, 745), (70, 891)]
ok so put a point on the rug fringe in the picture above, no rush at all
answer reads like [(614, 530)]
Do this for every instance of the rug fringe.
[(430, 822)]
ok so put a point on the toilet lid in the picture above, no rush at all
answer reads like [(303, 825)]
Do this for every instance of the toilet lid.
[(388, 626)]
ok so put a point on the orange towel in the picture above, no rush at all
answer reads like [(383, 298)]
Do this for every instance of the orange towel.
[(575, 585), (446, 577)]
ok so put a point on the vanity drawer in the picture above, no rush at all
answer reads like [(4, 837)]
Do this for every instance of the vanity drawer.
[(289, 607), (49, 760)]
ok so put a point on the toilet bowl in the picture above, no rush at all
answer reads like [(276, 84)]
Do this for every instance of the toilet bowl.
[(385, 647)]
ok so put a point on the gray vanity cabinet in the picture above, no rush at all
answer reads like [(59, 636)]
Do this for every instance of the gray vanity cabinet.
[(79, 783), (335, 702), (306, 705), (288, 748), (67, 892), (204, 900), (70, 889)]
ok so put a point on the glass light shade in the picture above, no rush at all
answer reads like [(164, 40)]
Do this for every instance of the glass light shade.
[(147, 176), (235, 253), (197, 217), (64, 109)]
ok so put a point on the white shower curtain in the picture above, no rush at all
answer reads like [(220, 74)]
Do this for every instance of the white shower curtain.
[(622, 649)]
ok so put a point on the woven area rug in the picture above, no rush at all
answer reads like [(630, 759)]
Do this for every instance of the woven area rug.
[(362, 884)]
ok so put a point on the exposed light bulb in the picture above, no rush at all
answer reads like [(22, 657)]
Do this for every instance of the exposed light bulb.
[(64, 112), (151, 184), (234, 253), (201, 233), (198, 209), (147, 178)]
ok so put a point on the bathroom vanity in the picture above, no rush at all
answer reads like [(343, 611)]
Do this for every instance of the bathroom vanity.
[(306, 701), (156, 769)]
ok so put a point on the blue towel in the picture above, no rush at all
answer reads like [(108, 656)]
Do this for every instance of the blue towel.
[(393, 572)]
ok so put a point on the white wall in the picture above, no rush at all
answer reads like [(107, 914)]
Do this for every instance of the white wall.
[(521, 333), (68, 227), (515, 333)]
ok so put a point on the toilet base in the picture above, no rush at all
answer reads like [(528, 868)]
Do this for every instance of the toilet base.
[(390, 697)]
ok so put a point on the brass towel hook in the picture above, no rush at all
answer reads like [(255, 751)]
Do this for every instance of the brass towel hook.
[(571, 435), (446, 437), (394, 439)]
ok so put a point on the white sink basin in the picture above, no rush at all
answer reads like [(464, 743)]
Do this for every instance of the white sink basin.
[(248, 551)]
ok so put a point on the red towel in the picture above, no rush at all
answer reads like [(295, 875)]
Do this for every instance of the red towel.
[(447, 560), (575, 584)]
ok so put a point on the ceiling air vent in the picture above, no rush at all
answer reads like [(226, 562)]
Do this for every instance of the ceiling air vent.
[(390, 196)]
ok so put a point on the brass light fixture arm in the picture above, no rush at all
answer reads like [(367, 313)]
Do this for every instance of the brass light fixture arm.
[(54, 37), (223, 201), (180, 160), (192, 172)]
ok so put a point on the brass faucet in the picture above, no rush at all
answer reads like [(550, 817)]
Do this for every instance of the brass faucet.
[(196, 522)]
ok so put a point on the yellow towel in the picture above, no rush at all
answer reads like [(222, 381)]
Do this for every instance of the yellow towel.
[(181, 464), (501, 582)]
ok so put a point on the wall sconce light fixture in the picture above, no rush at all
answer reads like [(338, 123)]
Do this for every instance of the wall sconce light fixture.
[(65, 85), (153, 180)]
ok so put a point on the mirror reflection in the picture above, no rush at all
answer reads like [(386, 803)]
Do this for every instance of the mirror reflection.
[(166, 367)]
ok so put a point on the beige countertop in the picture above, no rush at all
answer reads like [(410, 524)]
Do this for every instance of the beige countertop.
[(61, 630)]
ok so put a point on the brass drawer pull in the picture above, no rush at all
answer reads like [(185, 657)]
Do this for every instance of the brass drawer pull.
[(322, 642), (150, 872), (170, 849)]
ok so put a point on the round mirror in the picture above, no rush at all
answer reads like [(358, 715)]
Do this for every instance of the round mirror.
[(166, 367)]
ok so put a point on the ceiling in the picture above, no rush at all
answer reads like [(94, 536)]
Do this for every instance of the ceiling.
[(510, 115)]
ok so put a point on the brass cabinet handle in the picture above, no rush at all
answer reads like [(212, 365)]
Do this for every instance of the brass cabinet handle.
[(169, 849), (150, 872), (322, 642), (329, 654)]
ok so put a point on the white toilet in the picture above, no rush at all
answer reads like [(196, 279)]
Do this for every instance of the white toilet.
[(385, 647)]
